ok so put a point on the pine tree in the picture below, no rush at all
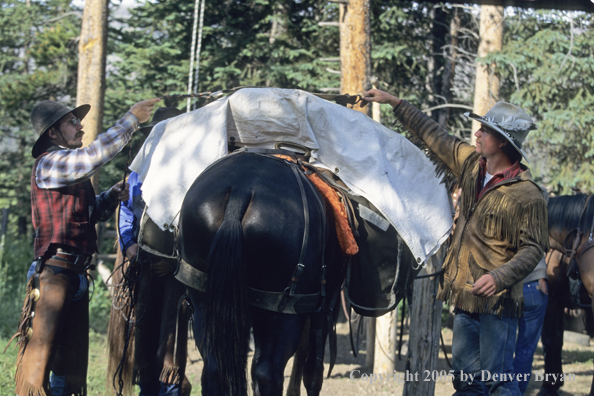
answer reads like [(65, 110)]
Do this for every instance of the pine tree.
[(38, 60)]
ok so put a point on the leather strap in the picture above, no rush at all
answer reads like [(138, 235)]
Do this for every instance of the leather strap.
[(78, 268), (296, 304)]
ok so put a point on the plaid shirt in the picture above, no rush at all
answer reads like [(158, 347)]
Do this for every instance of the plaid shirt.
[(64, 206), (66, 167)]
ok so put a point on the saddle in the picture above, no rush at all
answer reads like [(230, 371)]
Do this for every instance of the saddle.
[(377, 275)]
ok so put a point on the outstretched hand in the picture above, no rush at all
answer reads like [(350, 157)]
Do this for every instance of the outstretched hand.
[(375, 95), (142, 110)]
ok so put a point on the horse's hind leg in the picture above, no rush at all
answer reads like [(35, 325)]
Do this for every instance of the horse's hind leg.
[(210, 379), (276, 337), (294, 388)]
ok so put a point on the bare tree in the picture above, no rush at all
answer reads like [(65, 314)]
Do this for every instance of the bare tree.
[(92, 57), (355, 48), (486, 89)]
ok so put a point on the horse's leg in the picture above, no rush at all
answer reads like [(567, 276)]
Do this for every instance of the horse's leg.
[(276, 337), (552, 332), (294, 388), (210, 379), (586, 265)]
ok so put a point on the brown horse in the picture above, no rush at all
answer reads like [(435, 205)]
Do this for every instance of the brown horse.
[(571, 229)]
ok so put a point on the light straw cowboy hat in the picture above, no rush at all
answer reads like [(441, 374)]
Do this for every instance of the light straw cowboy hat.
[(510, 121)]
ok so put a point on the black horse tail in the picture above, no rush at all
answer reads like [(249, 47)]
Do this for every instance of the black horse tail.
[(226, 318)]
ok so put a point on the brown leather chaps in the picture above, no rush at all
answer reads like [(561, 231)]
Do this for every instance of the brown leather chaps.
[(59, 337)]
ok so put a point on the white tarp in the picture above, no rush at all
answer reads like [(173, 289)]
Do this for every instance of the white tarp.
[(372, 160)]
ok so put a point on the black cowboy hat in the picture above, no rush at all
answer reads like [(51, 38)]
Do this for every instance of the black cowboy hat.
[(47, 113), (161, 114)]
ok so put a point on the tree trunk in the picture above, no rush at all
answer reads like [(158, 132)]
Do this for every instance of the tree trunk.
[(435, 62), (450, 69), (486, 89), (92, 54), (425, 328), (385, 343), (355, 49)]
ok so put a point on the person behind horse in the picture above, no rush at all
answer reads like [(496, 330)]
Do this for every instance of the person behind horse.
[(536, 298), (155, 369), (500, 237), (53, 331)]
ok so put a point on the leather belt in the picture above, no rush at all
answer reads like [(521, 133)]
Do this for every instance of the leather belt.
[(73, 262)]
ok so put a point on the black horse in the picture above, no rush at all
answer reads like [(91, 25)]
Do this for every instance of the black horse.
[(262, 251), (571, 224)]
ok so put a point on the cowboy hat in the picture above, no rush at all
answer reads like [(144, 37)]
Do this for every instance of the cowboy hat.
[(510, 121), (161, 114), (47, 113)]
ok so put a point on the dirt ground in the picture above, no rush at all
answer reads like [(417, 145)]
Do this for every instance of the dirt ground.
[(577, 360)]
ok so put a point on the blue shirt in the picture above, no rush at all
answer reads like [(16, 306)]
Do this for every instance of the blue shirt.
[(131, 213)]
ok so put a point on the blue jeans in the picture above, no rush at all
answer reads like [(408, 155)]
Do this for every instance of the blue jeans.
[(482, 354), (529, 328)]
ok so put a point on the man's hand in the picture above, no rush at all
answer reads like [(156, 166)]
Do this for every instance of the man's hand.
[(132, 251), (375, 95), (142, 110), (120, 192), (485, 286)]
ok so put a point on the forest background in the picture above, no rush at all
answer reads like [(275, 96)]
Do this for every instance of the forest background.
[(425, 53)]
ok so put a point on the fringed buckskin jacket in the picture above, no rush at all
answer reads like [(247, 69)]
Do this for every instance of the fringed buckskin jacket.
[(504, 233)]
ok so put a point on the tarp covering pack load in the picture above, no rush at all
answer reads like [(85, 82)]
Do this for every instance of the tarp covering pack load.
[(373, 161)]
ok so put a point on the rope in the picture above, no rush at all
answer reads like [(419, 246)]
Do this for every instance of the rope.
[(192, 54), (198, 46)]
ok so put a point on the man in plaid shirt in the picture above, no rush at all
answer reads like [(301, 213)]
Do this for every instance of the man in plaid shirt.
[(53, 330)]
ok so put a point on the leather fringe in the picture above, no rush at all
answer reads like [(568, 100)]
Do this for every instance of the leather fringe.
[(26, 389), (442, 171), (21, 334), (468, 183), (499, 304), (170, 375), (499, 214)]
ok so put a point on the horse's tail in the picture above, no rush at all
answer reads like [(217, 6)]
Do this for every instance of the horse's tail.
[(226, 315), (116, 342)]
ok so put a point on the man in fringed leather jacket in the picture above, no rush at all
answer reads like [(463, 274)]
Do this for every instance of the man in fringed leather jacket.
[(500, 237)]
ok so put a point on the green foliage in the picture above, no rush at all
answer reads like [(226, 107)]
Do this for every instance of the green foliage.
[(547, 68), (15, 263), (99, 308), (38, 60)]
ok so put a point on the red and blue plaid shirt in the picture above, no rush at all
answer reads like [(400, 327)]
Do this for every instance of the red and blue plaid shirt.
[(63, 203)]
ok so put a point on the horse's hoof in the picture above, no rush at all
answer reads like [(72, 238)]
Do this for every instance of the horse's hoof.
[(547, 392)]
